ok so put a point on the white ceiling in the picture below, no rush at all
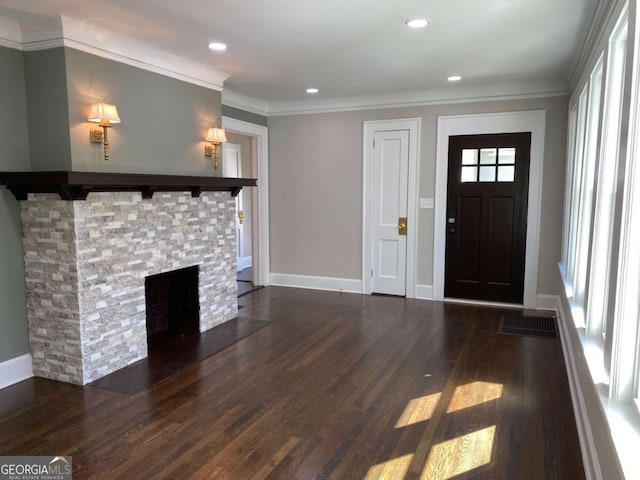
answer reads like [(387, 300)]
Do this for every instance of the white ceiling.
[(346, 48)]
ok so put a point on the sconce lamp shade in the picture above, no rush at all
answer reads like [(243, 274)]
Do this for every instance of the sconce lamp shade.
[(216, 135), (104, 113)]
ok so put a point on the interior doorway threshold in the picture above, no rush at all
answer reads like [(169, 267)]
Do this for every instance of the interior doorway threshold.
[(483, 303)]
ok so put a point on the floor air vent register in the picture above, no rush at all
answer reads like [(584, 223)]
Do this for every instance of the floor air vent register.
[(528, 326)]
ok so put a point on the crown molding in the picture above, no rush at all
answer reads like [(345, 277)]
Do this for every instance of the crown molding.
[(442, 96), (41, 35), (103, 43), (10, 34), (243, 102), (8, 43), (463, 94), (602, 22), (43, 44), (200, 78), (31, 40), (590, 37), (73, 33)]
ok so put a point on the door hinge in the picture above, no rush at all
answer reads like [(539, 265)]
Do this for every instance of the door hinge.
[(372, 272), (374, 142)]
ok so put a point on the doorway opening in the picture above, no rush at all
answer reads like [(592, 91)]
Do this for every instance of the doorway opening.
[(258, 198), (237, 161), (245, 282)]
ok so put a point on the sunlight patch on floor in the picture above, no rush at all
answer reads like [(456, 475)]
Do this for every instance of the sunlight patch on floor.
[(393, 469), (418, 410), (459, 455), (472, 394)]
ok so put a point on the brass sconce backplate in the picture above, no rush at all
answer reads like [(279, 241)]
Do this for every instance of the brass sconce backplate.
[(96, 135)]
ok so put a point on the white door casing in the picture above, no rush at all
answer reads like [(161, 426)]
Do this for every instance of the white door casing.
[(390, 175), (389, 249), (508, 122), (232, 167), (260, 198)]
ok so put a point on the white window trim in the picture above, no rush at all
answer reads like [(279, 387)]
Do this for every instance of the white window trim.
[(572, 133), (622, 413), (587, 197), (626, 328), (599, 322), (576, 192)]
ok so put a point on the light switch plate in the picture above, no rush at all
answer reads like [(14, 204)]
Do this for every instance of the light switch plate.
[(426, 203)]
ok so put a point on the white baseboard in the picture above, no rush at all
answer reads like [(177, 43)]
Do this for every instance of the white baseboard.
[(15, 370), (588, 448), (316, 283), (424, 292), (548, 302), (244, 262)]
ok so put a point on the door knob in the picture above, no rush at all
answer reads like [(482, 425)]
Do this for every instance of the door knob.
[(402, 226)]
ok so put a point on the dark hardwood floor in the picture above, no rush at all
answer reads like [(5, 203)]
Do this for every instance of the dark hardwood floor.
[(245, 282), (338, 386), (169, 353)]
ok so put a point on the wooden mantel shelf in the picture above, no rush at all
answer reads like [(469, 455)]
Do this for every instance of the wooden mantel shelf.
[(77, 185)]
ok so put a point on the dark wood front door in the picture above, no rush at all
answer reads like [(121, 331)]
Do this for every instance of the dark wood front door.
[(487, 216)]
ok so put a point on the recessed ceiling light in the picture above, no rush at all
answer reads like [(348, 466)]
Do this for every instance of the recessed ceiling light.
[(312, 90), (417, 23), (217, 46), (454, 78)]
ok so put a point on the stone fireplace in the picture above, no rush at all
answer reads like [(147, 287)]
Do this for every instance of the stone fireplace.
[(86, 262)]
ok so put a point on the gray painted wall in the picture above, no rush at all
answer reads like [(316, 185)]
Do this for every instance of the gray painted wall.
[(14, 156), (46, 97), (243, 115), (164, 120), (318, 183), (48, 113), (315, 188)]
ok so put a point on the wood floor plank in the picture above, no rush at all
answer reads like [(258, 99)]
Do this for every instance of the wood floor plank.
[(339, 386)]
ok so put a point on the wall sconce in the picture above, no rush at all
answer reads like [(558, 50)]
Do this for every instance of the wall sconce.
[(216, 136), (105, 115)]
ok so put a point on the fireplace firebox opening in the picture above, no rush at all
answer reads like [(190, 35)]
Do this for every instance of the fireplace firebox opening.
[(172, 304)]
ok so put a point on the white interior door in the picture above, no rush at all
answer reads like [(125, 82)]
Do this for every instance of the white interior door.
[(389, 250), (232, 167)]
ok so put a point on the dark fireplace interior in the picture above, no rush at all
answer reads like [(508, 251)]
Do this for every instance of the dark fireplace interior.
[(173, 305)]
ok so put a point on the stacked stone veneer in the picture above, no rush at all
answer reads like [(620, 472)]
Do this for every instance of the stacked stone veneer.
[(86, 263)]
